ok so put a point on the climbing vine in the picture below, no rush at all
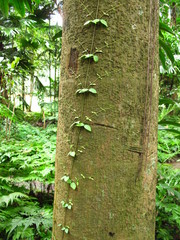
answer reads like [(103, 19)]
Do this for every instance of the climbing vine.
[(80, 123)]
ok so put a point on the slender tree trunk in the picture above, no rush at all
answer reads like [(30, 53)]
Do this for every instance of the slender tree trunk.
[(173, 14), (31, 90), (23, 94), (114, 166), (55, 78)]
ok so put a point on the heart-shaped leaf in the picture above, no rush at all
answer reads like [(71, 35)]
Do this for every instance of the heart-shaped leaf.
[(87, 127), (92, 90), (73, 185), (72, 154)]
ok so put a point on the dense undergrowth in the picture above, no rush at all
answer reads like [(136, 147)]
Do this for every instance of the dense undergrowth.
[(27, 182)]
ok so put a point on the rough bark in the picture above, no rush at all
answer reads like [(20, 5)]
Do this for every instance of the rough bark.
[(121, 151)]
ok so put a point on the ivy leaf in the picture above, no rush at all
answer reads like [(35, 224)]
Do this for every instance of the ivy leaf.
[(95, 58), (104, 22), (4, 7), (86, 56), (65, 178), (72, 154), (95, 21), (92, 90), (80, 124), (69, 181), (69, 207), (86, 23), (66, 230), (83, 90), (87, 127), (73, 186)]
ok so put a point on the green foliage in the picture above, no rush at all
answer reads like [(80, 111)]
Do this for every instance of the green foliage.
[(19, 6), (67, 205), (168, 186), (167, 203), (26, 221), (86, 90), (27, 167), (90, 56), (82, 125), (97, 21), (64, 228), (71, 183)]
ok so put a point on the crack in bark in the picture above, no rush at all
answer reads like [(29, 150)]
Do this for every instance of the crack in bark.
[(135, 150), (105, 125)]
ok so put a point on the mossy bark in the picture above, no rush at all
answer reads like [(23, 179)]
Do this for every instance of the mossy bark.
[(120, 153)]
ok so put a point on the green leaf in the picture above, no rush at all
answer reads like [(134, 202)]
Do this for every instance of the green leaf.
[(83, 90), (167, 49), (168, 129), (66, 230), (73, 185), (69, 181), (86, 23), (162, 58), (28, 4), (172, 123), (92, 90), (19, 6), (164, 27), (65, 178), (11, 198), (104, 22), (87, 127), (178, 20), (80, 124), (95, 21), (72, 154), (95, 58), (4, 7), (57, 35)]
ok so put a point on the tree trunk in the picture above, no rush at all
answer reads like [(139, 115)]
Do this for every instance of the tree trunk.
[(115, 164), (173, 14), (23, 93), (31, 90)]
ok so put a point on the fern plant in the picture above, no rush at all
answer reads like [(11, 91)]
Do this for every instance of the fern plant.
[(26, 182)]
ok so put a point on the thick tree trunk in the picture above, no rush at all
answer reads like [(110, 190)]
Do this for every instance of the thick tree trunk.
[(115, 164)]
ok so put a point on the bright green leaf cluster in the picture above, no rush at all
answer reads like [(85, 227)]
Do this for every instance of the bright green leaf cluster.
[(85, 126), (86, 90), (65, 228), (67, 205), (72, 184), (90, 56), (97, 21)]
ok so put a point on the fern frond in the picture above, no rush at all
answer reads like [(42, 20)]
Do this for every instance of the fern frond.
[(11, 198)]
